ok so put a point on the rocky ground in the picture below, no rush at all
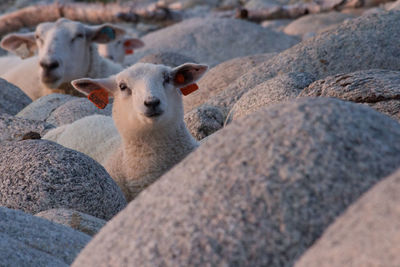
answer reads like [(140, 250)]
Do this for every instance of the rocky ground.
[(299, 162)]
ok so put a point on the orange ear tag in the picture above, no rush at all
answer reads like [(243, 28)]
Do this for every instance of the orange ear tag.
[(179, 78), (128, 51), (189, 89), (99, 98)]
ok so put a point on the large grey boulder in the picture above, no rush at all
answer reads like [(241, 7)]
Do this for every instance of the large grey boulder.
[(76, 109), (363, 43), (379, 89), (37, 175), (276, 24), (367, 234), (167, 58), (12, 99), (316, 23), (278, 89), (14, 128), (394, 6), (26, 240), (257, 4), (219, 77), (77, 220), (257, 193), (213, 40)]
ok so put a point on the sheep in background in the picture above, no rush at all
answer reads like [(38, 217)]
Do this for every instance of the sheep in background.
[(66, 51), (7, 61), (148, 114), (117, 50)]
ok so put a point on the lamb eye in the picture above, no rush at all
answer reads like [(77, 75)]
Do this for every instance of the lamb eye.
[(123, 86), (37, 37), (79, 35), (166, 78)]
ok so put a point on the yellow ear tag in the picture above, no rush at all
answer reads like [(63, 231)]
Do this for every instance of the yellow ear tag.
[(189, 89), (99, 98)]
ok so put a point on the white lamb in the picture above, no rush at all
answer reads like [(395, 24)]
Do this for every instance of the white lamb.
[(66, 51), (148, 114), (117, 50)]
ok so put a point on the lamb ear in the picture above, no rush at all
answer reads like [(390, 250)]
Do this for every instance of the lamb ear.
[(22, 44), (187, 73), (132, 43), (87, 85), (104, 33)]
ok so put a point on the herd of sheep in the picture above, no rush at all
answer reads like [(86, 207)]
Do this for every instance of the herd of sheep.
[(150, 132)]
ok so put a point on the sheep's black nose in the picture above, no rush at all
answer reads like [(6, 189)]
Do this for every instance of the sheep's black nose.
[(49, 65), (152, 102)]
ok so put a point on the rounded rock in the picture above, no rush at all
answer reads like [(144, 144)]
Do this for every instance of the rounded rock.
[(14, 128), (219, 77), (367, 234), (316, 23), (12, 99), (79, 221), (367, 42), (257, 193), (37, 175), (26, 240), (379, 89), (76, 109), (213, 40), (167, 58), (203, 121), (41, 108), (278, 89)]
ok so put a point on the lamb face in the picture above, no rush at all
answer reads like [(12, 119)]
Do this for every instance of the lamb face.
[(146, 96), (63, 48), (117, 50)]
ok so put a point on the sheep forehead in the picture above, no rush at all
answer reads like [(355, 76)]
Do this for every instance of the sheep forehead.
[(145, 72), (61, 27)]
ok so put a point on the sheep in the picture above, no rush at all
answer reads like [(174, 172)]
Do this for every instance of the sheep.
[(148, 115), (66, 51), (117, 50), (7, 61)]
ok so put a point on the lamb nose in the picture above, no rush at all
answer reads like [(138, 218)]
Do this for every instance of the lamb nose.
[(152, 103), (49, 65)]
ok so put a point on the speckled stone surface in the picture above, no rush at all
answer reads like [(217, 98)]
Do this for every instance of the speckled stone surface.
[(379, 89), (219, 77), (204, 121), (79, 221), (37, 175), (26, 240), (41, 108), (167, 58), (213, 40), (366, 42), (257, 193), (367, 234), (12, 99), (14, 128), (316, 23), (278, 89), (76, 109)]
